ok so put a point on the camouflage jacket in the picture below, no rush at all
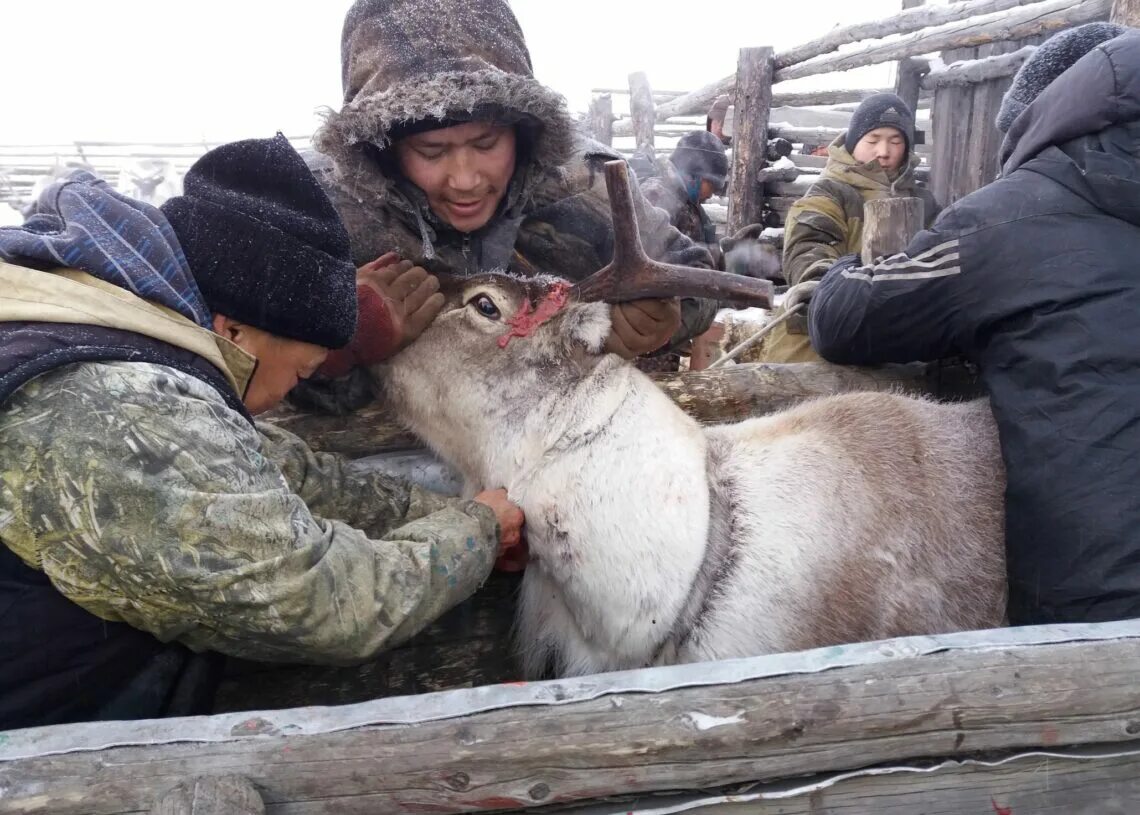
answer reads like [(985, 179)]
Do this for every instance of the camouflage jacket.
[(555, 216), (827, 223), (146, 499)]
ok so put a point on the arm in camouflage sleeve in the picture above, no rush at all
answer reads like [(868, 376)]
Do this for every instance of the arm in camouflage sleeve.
[(815, 236), (168, 514), (373, 502)]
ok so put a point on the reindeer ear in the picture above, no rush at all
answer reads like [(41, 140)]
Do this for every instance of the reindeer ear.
[(587, 324)]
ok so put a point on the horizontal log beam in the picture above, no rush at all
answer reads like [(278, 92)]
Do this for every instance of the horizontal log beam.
[(724, 395), (973, 71), (905, 22), (662, 95), (836, 97), (1018, 24), (568, 745)]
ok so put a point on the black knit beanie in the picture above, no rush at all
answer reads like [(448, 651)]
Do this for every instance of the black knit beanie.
[(880, 110), (265, 244), (1051, 59), (700, 154)]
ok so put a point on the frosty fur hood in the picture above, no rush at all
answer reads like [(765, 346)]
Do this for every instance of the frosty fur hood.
[(403, 61)]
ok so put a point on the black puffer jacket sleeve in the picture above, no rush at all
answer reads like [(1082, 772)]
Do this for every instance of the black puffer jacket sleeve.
[(901, 309)]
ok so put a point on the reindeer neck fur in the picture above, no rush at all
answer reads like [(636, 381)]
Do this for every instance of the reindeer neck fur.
[(609, 472)]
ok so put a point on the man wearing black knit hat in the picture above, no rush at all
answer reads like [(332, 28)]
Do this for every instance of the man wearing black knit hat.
[(1033, 279), (870, 161), (147, 524)]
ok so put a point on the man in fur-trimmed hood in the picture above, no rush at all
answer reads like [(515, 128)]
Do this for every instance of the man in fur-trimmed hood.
[(450, 154)]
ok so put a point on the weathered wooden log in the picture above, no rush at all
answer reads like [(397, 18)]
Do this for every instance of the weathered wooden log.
[(692, 727), (1126, 12), (212, 795), (1018, 24), (641, 110), (805, 135), (810, 98), (909, 84), (601, 118), (1080, 781), (974, 71), (770, 176), (658, 96), (888, 226), (724, 395), (912, 18), (698, 101), (753, 102)]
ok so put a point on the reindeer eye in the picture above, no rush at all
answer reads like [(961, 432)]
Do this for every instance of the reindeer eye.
[(485, 306)]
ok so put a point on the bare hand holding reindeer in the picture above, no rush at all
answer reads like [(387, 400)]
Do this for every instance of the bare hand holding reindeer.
[(512, 552)]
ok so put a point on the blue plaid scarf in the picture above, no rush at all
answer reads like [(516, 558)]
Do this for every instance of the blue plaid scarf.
[(81, 223)]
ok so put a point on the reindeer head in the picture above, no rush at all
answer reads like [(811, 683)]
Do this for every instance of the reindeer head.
[(503, 344)]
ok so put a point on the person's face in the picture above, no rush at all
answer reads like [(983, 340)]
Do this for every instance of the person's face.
[(463, 170), (706, 191), (885, 145), (281, 362)]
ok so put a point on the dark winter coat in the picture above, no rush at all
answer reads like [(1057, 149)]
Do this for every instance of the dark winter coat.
[(1034, 278), (472, 62)]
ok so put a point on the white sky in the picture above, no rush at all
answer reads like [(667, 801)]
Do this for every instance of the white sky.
[(182, 70)]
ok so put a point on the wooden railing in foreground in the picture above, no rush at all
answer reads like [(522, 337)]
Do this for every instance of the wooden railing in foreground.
[(1011, 697)]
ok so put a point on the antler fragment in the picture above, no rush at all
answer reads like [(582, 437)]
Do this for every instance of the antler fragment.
[(633, 275)]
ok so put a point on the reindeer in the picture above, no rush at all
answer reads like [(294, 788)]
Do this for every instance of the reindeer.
[(656, 541)]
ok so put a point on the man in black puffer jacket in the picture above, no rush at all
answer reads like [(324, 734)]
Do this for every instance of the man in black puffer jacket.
[(1036, 279)]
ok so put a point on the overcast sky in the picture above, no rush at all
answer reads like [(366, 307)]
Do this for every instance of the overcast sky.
[(181, 70)]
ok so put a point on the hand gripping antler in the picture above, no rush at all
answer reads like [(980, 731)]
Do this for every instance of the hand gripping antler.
[(632, 275)]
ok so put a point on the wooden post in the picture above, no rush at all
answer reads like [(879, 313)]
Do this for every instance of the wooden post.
[(1126, 12), (888, 226), (908, 83), (753, 104), (641, 110), (212, 795), (601, 118)]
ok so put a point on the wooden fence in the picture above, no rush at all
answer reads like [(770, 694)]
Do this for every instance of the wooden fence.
[(985, 41), (26, 168)]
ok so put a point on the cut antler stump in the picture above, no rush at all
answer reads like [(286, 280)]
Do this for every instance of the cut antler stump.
[(633, 275)]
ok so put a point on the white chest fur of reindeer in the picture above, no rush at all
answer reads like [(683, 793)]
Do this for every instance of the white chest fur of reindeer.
[(654, 540)]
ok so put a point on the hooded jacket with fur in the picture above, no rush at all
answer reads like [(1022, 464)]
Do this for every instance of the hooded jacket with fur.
[(405, 61)]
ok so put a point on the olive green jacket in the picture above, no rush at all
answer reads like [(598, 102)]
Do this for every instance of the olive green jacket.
[(146, 499), (827, 223)]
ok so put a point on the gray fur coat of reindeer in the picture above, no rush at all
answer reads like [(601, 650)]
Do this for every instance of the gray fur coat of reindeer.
[(656, 541)]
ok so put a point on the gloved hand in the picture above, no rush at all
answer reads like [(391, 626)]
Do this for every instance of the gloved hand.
[(395, 302), (642, 326), (800, 294)]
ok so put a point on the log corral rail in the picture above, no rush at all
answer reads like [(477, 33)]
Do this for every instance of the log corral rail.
[(1000, 698)]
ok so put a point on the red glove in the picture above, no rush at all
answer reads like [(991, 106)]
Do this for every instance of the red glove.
[(375, 340), (395, 302)]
